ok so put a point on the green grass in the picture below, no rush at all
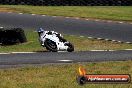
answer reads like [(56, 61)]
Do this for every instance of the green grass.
[(62, 75), (80, 44), (123, 13)]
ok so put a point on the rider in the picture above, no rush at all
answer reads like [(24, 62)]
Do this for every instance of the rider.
[(42, 34), (40, 31)]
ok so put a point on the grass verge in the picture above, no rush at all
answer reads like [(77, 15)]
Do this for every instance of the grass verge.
[(95, 12), (80, 44), (61, 76)]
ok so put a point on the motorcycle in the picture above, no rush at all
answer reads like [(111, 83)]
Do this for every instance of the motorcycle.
[(54, 41)]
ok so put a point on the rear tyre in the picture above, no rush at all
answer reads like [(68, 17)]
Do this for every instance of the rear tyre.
[(50, 45)]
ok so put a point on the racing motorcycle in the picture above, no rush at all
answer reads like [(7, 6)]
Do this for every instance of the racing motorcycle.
[(54, 41)]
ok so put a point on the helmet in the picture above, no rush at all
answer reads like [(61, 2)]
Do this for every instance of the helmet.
[(40, 30)]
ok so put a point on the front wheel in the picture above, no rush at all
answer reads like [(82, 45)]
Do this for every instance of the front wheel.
[(50, 45), (70, 47)]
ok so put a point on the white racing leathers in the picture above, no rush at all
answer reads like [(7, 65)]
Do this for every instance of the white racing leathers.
[(54, 41)]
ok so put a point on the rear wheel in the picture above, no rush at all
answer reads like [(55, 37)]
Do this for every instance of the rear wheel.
[(50, 45)]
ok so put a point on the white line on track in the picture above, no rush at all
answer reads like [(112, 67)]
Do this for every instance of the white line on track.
[(81, 36), (111, 50), (96, 50), (43, 15), (20, 13), (119, 41), (65, 60), (77, 18), (21, 52), (107, 39), (127, 49), (61, 51), (4, 53), (33, 14), (128, 42), (113, 40), (121, 22), (90, 37), (17, 53), (54, 16), (99, 38), (97, 20), (58, 51), (67, 17), (102, 50)]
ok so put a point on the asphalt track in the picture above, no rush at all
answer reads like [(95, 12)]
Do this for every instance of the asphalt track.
[(63, 57), (114, 31), (98, 29)]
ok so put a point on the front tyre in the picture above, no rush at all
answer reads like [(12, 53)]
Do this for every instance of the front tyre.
[(70, 47), (50, 45)]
